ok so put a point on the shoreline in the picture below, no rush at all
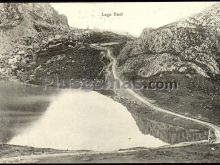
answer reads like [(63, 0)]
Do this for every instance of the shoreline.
[(198, 152), (123, 103)]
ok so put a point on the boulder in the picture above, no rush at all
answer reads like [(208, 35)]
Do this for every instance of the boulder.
[(29, 47), (18, 57), (57, 36), (21, 52)]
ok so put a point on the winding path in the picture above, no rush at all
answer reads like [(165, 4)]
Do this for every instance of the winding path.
[(148, 103), (36, 158)]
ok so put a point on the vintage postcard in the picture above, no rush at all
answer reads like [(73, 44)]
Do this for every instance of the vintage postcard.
[(110, 82)]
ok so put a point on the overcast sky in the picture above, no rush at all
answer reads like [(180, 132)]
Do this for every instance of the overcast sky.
[(136, 15)]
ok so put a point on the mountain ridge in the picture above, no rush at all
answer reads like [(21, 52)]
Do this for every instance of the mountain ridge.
[(24, 28), (185, 52), (191, 38)]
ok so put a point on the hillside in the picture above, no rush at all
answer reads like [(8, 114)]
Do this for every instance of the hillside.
[(34, 35), (24, 27), (190, 44), (37, 45), (187, 52)]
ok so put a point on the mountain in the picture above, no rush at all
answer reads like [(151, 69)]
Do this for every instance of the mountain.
[(187, 52), (24, 27), (36, 42), (190, 46)]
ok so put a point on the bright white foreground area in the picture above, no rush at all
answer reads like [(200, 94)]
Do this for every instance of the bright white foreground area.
[(81, 120)]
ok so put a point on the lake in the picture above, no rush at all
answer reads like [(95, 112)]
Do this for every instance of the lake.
[(71, 119)]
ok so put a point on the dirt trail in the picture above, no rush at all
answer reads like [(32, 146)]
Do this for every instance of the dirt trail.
[(35, 158), (148, 102)]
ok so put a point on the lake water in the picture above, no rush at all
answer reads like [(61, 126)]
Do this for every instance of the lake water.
[(67, 119)]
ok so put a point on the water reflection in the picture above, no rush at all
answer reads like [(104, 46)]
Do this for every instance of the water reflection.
[(80, 120), (20, 106), (169, 133), (85, 120)]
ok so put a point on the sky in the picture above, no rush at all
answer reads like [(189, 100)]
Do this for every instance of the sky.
[(135, 15)]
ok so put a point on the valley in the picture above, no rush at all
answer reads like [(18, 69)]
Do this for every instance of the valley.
[(39, 62)]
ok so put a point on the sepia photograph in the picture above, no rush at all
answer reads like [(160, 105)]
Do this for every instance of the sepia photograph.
[(110, 82)]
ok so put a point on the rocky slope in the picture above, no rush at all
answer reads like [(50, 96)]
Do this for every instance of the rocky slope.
[(37, 42), (190, 45), (186, 51), (24, 28)]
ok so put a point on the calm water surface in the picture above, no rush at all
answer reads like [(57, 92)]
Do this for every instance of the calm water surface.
[(66, 119)]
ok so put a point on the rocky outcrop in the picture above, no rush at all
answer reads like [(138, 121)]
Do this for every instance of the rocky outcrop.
[(24, 28), (36, 41), (190, 44), (13, 14), (186, 52)]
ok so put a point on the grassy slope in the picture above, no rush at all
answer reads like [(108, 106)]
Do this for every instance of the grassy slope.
[(196, 96)]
